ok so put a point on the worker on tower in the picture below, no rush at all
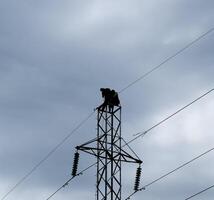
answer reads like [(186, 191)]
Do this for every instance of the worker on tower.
[(114, 98), (111, 99)]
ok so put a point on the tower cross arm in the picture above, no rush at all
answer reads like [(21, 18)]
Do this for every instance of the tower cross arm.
[(118, 154)]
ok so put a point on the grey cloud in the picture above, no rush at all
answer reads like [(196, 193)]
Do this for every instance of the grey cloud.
[(54, 57)]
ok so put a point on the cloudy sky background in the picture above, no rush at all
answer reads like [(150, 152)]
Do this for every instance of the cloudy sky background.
[(54, 57)]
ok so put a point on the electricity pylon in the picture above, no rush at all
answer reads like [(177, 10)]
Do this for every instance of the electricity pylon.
[(107, 147)]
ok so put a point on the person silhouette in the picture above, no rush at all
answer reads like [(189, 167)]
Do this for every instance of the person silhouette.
[(114, 98), (111, 99)]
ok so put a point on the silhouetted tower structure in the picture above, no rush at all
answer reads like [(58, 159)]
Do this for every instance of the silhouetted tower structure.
[(107, 147)]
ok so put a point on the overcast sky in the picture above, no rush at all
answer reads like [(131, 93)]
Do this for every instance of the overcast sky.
[(54, 57)]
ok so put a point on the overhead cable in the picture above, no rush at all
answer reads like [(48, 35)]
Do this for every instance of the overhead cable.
[(47, 155), (170, 116), (69, 180), (168, 59), (200, 192), (170, 172)]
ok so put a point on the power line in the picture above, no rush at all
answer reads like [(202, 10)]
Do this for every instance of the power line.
[(168, 59), (172, 171), (47, 156), (126, 144), (170, 116), (142, 133), (81, 123), (69, 180), (200, 192)]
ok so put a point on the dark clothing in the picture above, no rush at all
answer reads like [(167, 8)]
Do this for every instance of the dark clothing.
[(111, 98), (114, 98)]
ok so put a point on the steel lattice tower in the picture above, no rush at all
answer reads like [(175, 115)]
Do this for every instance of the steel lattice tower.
[(107, 147)]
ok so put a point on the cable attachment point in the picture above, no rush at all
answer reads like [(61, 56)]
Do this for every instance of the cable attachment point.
[(75, 164), (137, 178)]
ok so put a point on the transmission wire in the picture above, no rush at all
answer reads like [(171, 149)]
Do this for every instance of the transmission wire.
[(47, 156), (200, 192), (170, 116), (67, 182), (172, 171), (167, 59)]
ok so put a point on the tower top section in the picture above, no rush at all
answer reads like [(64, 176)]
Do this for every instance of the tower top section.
[(110, 98)]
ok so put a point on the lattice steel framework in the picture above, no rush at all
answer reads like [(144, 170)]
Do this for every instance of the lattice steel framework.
[(109, 153)]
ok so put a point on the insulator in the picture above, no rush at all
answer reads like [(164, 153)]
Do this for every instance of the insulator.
[(137, 179), (75, 164)]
